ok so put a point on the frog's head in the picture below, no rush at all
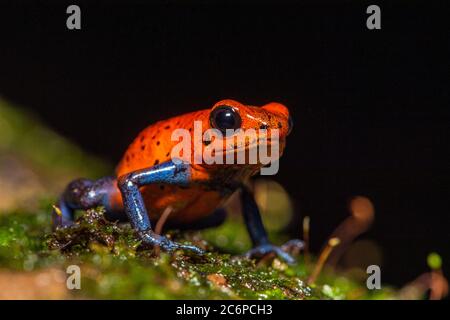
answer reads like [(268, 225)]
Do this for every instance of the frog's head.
[(230, 114), (271, 125)]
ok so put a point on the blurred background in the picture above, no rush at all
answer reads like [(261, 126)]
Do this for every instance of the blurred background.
[(370, 108)]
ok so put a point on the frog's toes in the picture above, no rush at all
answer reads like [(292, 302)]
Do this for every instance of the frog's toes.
[(191, 248), (293, 246), (153, 239), (264, 249)]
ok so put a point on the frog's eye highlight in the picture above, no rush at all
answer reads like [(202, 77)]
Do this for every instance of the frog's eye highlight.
[(225, 117)]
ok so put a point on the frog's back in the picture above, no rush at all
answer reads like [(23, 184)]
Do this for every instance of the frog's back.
[(153, 146)]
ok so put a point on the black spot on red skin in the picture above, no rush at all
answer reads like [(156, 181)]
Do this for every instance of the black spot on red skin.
[(167, 154), (158, 143), (167, 127), (153, 138), (142, 138), (143, 147), (279, 125), (156, 162), (128, 158), (161, 187)]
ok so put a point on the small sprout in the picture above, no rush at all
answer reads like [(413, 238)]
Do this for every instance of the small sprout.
[(160, 224), (162, 220), (332, 243), (362, 214), (306, 221), (438, 283), (434, 261)]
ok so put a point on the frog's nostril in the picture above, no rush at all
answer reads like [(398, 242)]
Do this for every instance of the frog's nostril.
[(290, 124)]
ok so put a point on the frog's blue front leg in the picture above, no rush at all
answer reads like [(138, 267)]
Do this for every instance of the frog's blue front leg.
[(129, 184), (258, 234)]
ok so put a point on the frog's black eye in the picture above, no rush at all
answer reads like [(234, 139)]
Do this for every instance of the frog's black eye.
[(225, 117), (290, 124)]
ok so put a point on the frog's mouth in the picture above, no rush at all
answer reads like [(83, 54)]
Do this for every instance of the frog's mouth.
[(249, 149)]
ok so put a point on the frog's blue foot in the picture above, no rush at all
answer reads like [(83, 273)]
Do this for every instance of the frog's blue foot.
[(293, 246), (150, 238), (282, 252), (258, 233), (82, 194)]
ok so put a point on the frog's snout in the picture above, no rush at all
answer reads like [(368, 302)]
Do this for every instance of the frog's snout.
[(282, 113)]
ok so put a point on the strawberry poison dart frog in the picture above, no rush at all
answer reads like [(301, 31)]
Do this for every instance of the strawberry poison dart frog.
[(149, 179)]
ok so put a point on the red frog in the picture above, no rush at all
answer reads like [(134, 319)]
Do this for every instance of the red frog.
[(148, 179)]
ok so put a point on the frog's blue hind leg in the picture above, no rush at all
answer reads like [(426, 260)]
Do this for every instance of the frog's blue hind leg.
[(83, 194), (129, 184), (258, 234)]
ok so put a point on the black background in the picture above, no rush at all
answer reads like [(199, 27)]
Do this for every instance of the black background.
[(370, 107)]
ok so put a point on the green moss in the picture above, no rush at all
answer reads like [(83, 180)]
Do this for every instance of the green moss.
[(115, 265)]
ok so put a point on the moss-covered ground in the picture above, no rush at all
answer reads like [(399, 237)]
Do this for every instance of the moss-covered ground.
[(114, 265)]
